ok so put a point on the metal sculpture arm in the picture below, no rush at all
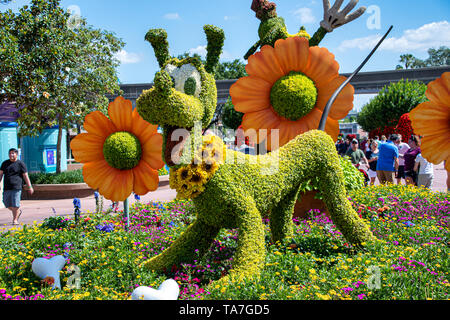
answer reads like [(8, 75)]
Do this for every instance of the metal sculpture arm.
[(323, 120)]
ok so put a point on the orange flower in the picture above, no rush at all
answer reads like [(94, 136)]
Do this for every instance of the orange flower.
[(121, 153), (431, 120), (287, 89)]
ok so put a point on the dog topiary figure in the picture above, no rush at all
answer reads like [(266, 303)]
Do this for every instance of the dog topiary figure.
[(231, 189)]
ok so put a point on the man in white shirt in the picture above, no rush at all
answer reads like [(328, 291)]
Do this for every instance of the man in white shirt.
[(402, 148)]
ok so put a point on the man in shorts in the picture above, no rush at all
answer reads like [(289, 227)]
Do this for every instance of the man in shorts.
[(15, 171), (387, 162)]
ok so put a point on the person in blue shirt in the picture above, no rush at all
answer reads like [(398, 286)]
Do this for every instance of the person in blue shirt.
[(387, 163)]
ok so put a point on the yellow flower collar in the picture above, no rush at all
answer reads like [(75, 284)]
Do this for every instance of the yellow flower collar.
[(190, 179)]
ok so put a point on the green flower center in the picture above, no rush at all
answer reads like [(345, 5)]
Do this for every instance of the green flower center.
[(122, 150), (293, 96)]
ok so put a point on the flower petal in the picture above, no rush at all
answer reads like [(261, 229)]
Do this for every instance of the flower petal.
[(145, 178), (292, 53), (120, 113), (142, 129), (99, 124), (250, 94), (264, 119), (332, 128), (321, 67), (435, 148), (439, 90), (113, 184), (87, 147), (344, 101), (152, 151), (264, 65), (428, 118)]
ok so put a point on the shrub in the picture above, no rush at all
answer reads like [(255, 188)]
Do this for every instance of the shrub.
[(390, 104), (75, 176)]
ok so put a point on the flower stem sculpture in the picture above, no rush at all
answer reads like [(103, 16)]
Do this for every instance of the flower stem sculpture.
[(120, 154), (431, 120), (231, 189)]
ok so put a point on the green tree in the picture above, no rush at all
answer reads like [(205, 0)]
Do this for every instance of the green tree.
[(390, 104), (230, 117), (224, 70), (58, 73), (230, 70), (436, 57)]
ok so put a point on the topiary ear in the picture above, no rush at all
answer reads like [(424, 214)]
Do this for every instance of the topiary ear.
[(158, 40), (215, 37)]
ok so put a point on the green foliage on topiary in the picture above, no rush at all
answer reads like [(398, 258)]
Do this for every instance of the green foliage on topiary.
[(158, 40), (353, 179), (122, 150), (230, 117), (189, 86), (293, 96), (164, 105), (390, 104), (243, 190), (215, 37)]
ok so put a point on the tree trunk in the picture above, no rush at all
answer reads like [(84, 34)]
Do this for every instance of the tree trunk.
[(58, 144)]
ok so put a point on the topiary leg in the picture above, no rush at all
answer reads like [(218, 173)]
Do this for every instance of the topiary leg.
[(354, 229), (250, 254), (198, 235), (281, 225)]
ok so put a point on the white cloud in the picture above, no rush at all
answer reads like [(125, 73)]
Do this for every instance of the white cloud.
[(432, 35), (305, 15), (200, 50), (172, 16), (127, 57)]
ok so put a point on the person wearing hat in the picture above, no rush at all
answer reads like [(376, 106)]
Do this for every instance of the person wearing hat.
[(356, 154)]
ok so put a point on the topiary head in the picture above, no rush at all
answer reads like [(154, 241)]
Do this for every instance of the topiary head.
[(184, 91)]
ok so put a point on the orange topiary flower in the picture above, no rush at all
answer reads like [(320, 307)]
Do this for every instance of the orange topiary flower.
[(431, 120), (121, 153), (287, 89)]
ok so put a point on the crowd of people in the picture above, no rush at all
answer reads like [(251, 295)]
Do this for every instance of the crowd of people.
[(388, 160)]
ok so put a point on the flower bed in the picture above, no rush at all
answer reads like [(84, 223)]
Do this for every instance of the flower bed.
[(411, 256)]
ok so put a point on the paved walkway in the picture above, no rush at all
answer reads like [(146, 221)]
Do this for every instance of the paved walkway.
[(38, 210)]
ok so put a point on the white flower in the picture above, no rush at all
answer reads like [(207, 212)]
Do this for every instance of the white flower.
[(181, 74)]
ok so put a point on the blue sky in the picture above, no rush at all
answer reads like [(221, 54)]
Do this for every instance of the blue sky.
[(418, 25)]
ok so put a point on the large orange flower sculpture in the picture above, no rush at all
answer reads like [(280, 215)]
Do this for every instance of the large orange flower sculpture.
[(121, 153), (287, 89), (431, 120)]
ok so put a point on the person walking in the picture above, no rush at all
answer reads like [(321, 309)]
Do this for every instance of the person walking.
[(372, 158), (387, 162), (425, 172), (410, 159), (15, 171), (402, 148)]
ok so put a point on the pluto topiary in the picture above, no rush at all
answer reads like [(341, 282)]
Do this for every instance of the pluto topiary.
[(230, 189)]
